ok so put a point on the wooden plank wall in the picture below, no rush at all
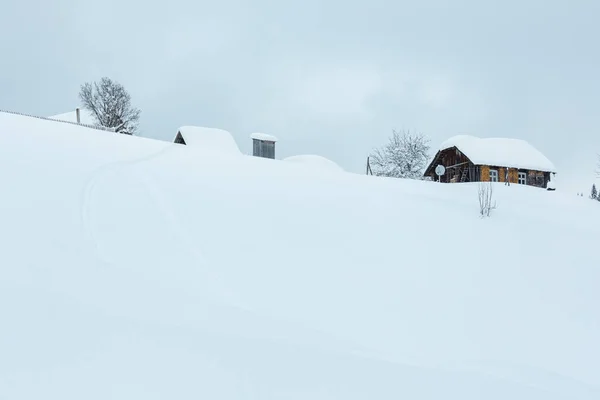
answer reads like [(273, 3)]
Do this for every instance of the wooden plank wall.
[(513, 174), (485, 173), (532, 178)]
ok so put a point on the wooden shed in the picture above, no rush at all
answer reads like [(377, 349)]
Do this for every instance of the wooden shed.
[(472, 159)]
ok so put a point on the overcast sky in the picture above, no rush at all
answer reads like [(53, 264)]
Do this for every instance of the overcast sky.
[(327, 77)]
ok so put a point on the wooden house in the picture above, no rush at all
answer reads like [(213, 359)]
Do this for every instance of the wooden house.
[(471, 159)]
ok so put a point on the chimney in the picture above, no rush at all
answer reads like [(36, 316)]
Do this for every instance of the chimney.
[(78, 117)]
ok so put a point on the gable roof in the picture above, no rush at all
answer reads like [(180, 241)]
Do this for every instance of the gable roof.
[(207, 138), (501, 152)]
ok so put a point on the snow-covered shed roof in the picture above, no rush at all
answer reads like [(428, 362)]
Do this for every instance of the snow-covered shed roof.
[(263, 136), (58, 120), (502, 152), (31, 122), (214, 139), (85, 117), (315, 161)]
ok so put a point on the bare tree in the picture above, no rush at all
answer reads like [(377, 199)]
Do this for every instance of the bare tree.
[(485, 193), (404, 156), (110, 104)]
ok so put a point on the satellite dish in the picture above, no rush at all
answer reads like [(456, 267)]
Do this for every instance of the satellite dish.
[(440, 170)]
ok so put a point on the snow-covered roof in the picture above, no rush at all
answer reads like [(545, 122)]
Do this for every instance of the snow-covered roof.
[(502, 152), (315, 161), (263, 136), (85, 117), (209, 138), (56, 120)]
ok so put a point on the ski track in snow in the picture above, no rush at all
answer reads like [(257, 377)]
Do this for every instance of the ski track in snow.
[(88, 192), (177, 228), (216, 286)]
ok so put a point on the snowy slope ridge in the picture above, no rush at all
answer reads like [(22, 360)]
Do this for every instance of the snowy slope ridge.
[(138, 269), (315, 161)]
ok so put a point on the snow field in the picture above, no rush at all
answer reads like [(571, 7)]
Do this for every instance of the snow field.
[(133, 268)]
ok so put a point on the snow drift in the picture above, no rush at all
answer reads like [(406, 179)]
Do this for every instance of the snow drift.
[(316, 162), (135, 269)]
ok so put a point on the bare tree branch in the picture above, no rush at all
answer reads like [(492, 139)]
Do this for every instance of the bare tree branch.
[(110, 104), (485, 194), (404, 156)]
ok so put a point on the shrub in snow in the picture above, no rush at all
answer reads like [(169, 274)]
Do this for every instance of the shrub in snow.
[(485, 193), (594, 194), (405, 156)]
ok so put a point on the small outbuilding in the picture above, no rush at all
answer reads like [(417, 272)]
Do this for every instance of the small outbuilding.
[(263, 145), (471, 159), (212, 139)]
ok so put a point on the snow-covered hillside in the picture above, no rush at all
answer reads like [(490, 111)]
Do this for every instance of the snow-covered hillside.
[(138, 269)]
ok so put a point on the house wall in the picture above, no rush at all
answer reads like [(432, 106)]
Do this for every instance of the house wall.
[(501, 173), (449, 158), (452, 156), (485, 173), (474, 173), (534, 178)]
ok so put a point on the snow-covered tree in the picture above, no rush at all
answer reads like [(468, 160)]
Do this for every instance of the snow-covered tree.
[(594, 194), (110, 104), (404, 156)]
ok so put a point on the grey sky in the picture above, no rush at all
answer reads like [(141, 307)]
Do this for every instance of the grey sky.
[(327, 77)]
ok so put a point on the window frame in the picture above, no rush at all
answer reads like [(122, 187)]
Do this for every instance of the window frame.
[(492, 177), (522, 178)]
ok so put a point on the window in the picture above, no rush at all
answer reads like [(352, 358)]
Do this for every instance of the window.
[(493, 175), (522, 178)]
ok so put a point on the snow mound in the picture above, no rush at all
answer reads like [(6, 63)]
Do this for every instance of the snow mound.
[(315, 161), (263, 136), (209, 139), (502, 152)]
